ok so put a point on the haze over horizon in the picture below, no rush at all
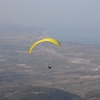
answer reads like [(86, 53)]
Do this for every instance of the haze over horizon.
[(73, 21)]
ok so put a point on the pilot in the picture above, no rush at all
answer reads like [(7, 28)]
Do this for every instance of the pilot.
[(49, 66)]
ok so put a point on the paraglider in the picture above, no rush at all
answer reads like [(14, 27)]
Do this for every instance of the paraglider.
[(44, 40), (52, 40)]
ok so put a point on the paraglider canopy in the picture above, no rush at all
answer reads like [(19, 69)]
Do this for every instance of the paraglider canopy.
[(52, 40)]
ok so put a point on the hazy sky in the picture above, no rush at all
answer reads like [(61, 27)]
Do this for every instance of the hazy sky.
[(71, 20)]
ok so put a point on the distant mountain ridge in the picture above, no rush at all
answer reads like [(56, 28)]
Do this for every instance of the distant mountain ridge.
[(42, 93), (19, 28)]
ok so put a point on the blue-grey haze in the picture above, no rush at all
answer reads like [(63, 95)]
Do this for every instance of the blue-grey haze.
[(70, 20)]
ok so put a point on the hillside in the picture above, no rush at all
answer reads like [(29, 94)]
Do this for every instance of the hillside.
[(38, 93)]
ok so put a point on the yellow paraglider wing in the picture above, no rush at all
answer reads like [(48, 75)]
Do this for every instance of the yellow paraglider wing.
[(44, 40)]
